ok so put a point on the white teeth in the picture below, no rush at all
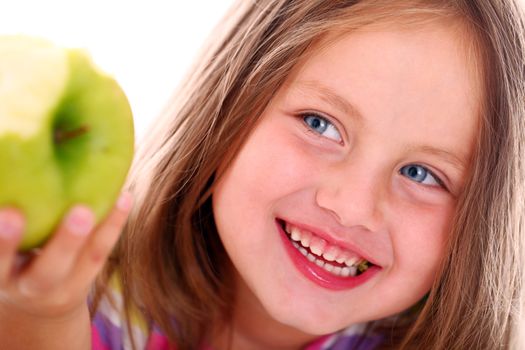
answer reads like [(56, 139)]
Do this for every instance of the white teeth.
[(340, 259), (349, 271), (345, 271), (302, 240), (316, 250), (317, 246), (303, 251), (336, 270), (296, 235), (305, 240), (328, 256), (331, 253), (351, 261)]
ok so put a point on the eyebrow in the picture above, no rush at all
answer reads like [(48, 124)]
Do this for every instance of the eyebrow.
[(328, 95), (457, 162), (342, 104)]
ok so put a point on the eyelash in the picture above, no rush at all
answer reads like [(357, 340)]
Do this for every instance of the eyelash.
[(327, 120), (436, 178)]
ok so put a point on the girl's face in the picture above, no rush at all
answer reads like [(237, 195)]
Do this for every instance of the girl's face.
[(360, 156)]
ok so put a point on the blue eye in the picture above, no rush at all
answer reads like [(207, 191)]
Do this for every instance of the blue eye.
[(322, 126), (420, 174)]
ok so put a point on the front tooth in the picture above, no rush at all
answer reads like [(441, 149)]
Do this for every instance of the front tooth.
[(319, 263), (337, 270), (353, 270), (316, 250), (310, 257), (296, 234), (317, 245), (331, 253), (305, 239)]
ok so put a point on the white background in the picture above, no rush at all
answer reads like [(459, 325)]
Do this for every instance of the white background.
[(147, 45)]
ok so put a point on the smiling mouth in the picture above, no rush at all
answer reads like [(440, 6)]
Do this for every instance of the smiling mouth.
[(336, 260)]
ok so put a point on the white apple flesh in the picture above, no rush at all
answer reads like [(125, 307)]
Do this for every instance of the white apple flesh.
[(66, 134)]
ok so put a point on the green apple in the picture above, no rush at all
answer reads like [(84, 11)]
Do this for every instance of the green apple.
[(66, 134)]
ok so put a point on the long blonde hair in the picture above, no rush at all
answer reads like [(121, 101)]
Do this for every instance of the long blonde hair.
[(170, 259)]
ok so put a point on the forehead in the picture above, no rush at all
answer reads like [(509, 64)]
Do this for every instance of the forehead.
[(420, 76), (437, 53)]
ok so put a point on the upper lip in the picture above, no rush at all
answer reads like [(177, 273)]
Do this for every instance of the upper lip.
[(332, 239)]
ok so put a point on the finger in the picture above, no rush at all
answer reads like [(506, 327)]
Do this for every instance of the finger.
[(11, 228), (57, 258), (102, 242)]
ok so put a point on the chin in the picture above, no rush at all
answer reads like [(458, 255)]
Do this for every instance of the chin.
[(313, 325), (306, 319)]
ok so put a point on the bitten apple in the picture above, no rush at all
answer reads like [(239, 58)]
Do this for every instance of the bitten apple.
[(66, 134)]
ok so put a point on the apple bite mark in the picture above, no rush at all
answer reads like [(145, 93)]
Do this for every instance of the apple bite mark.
[(33, 76)]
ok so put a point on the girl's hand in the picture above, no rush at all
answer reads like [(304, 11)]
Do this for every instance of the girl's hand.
[(53, 282)]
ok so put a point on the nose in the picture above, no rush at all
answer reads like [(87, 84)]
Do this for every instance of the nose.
[(354, 194)]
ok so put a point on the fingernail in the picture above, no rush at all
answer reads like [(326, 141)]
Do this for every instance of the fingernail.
[(124, 201), (80, 221), (11, 224)]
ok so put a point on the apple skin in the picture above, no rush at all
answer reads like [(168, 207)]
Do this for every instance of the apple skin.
[(80, 145)]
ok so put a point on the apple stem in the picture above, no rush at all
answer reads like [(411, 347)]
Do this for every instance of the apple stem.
[(61, 135)]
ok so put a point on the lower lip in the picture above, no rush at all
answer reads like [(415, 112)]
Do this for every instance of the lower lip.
[(317, 274)]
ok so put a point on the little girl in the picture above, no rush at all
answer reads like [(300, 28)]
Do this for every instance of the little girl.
[(334, 175)]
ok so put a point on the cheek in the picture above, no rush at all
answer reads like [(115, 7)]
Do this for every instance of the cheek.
[(268, 168), (270, 165), (420, 238)]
